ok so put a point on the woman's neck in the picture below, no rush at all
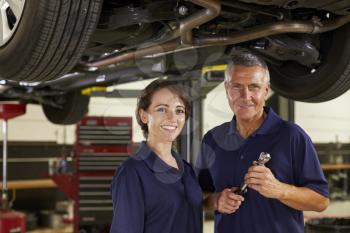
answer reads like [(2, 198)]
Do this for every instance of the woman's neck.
[(163, 151)]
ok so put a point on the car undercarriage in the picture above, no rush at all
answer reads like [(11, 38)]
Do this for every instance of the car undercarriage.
[(103, 43)]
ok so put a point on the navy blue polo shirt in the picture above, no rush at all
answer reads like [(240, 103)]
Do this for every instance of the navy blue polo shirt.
[(149, 196), (225, 157)]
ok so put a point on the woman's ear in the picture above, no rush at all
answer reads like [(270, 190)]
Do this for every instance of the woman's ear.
[(143, 116)]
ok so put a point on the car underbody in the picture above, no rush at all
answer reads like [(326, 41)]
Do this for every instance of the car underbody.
[(110, 42)]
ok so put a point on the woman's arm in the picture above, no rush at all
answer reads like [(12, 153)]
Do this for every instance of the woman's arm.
[(128, 202)]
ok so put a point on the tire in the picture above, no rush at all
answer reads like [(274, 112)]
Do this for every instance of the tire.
[(74, 106), (330, 80), (49, 40)]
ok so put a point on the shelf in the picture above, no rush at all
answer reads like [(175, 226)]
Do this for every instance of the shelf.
[(67, 229), (332, 166), (30, 184)]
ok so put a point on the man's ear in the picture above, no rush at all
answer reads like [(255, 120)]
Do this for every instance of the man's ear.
[(267, 91), (226, 87), (143, 116)]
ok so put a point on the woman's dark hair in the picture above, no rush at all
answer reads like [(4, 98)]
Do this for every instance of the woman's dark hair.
[(144, 100)]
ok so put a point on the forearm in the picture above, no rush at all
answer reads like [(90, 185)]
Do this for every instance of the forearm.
[(302, 198), (210, 201)]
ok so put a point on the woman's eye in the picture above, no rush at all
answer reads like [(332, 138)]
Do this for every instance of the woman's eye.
[(180, 111), (160, 109)]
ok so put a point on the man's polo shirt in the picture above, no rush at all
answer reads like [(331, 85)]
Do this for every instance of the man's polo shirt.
[(225, 157)]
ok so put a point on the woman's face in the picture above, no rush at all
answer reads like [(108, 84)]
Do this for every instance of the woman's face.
[(165, 117)]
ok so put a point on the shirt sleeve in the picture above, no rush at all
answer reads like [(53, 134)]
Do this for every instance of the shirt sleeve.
[(203, 164), (128, 202), (307, 168)]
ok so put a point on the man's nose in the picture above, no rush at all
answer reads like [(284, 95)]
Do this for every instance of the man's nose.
[(245, 93)]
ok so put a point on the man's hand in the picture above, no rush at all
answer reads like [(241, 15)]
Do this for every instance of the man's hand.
[(227, 202), (261, 179)]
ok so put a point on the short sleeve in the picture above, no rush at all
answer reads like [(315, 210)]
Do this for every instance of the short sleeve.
[(202, 166), (307, 168), (128, 202)]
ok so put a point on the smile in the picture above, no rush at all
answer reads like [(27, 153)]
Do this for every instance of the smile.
[(246, 106), (169, 127)]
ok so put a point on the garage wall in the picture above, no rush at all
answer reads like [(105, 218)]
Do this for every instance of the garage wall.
[(33, 126), (324, 122)]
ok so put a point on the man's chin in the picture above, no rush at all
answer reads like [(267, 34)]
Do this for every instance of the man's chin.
[(244, 115)]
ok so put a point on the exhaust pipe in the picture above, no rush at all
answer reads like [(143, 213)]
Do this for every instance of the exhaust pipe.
[(176, 45), (274, 29), (212, 10)]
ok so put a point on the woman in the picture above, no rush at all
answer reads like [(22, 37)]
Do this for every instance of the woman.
[(155, 190)]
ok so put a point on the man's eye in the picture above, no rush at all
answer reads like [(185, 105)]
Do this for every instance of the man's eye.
[(236, 88), (254, 88)]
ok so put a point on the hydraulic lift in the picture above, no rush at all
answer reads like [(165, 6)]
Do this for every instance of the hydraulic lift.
[(10, 221)]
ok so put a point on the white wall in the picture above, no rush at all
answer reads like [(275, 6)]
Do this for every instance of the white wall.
[(327, 121), (324, 122), (33, 126), (216, 109)]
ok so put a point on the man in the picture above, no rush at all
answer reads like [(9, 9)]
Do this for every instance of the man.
[(278, 192)]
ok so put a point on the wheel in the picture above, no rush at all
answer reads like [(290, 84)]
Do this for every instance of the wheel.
[(327, 81), (43, 39), (74, 106)]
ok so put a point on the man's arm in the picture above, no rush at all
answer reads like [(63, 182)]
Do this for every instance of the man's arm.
[(225, 202), (303, 198), (261, 179)]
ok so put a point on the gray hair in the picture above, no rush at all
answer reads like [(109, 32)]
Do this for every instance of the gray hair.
[(246, 59)]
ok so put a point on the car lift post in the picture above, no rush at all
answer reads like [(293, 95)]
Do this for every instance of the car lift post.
[(10, 221)]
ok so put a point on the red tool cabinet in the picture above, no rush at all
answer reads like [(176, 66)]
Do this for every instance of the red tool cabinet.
[(102, 144), (12, 221)]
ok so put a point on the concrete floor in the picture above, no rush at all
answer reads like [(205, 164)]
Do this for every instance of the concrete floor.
[(335, 209)]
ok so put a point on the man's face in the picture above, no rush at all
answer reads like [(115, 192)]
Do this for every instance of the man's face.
[(247, 91)]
